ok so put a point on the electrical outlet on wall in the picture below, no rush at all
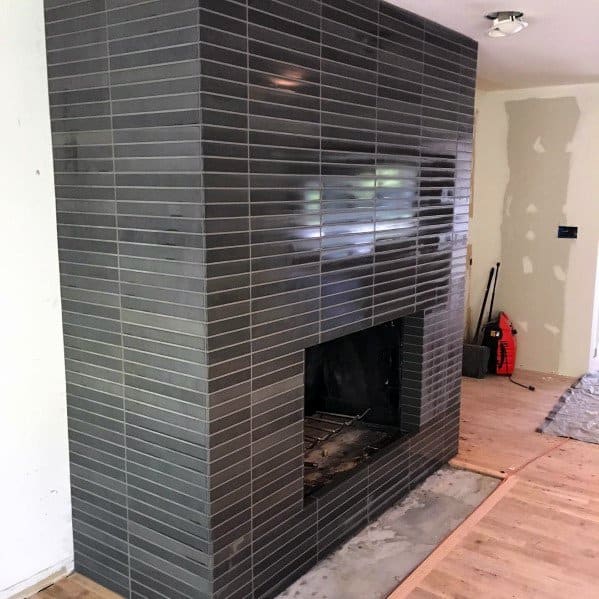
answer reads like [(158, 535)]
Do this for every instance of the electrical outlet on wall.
[(564, 232)]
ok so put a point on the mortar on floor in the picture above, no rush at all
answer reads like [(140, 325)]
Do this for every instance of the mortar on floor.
[(378, 558)]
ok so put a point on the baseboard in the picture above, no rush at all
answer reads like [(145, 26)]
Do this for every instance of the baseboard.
[(37, 582)]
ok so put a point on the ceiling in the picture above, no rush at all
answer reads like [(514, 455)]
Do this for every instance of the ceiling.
[(560, 46)]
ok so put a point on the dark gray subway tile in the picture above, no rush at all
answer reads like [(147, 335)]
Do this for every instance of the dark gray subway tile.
[(227, 196)]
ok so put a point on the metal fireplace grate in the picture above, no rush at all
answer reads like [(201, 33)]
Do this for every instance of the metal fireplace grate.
[(321, 426), (335, 444)]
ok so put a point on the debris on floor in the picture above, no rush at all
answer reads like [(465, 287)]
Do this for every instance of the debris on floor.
[(576, 414), (372, 563)]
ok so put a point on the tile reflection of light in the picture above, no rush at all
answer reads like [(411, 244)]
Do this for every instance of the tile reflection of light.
[(396, 194), (312, 200), (285, 83), (394, 225), (396, 183), (333, 181), (396, 215), (397, 177), (349, 252), (385, 177), (362, 250), (289, 80), (310, 234), (362, 228)]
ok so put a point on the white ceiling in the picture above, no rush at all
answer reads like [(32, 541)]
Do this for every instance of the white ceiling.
[(560, 46)]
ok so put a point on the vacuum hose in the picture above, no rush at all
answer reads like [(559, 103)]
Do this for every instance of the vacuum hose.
[(529, 387)]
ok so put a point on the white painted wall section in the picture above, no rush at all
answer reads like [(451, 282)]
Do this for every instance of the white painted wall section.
[(35, 507), (490, 179)]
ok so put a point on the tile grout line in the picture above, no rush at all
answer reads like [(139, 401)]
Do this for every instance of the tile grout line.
[(251, 295), (114, 185)]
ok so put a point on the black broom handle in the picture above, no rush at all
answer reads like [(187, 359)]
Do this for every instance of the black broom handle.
[(493, 294), (482, 308)]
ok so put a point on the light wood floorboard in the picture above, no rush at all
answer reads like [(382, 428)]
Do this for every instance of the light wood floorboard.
[(499, 419), (540, 537), (540, 540), (76, 586)]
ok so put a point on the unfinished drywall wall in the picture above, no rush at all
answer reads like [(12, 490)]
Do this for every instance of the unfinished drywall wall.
[(534, 261), (542, 174), (36, 542)]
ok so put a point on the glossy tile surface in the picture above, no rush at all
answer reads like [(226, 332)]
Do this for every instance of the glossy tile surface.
[(237, 181)]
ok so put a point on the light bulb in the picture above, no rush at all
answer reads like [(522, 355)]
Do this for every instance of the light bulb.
[(506, 23), (495, 32), (511, 25)]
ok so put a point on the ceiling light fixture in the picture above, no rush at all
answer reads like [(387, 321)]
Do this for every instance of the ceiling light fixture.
[(506, 22)]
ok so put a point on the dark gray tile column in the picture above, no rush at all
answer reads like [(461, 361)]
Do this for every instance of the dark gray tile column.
[(155, 106), (236, 181), (79, 84)]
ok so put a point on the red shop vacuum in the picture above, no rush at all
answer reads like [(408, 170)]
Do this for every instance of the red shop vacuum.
[(498, 338)]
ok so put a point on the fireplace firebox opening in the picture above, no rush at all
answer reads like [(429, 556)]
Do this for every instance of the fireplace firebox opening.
[(352, 401)]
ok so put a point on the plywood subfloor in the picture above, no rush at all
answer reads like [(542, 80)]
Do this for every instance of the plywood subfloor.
[(498, 421)]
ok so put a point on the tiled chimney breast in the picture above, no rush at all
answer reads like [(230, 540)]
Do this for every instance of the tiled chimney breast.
[(237, 181)]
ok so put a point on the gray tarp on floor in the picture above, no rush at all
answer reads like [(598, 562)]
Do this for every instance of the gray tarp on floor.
[(576, 415)]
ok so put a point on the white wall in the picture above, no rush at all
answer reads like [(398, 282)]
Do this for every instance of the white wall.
[(490, 178), (580, 200), (35, 517), (594, 365)]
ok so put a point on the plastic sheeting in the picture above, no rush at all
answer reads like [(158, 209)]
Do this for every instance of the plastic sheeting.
[(576, 415)]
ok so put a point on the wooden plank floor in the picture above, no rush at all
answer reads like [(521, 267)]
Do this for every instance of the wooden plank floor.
[(498, 421), (76, 586), (536, 536), (539, 541)]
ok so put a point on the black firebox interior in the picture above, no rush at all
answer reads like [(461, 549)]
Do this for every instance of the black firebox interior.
[(357, 374)]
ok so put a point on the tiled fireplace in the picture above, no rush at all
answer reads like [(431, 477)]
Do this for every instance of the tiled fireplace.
[(262, 210)]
